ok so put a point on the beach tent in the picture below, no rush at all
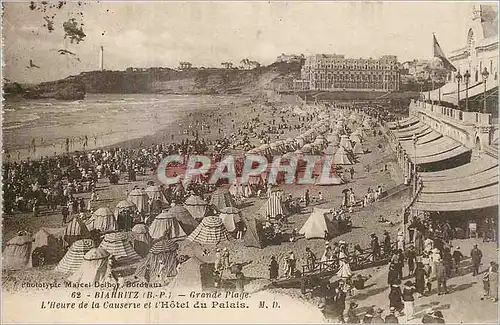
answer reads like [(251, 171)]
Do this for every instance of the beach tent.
[(210, 231), (341, 157), (345, 142), (356, 138), (196, 206), (187, 221), (165, 222), (155, 194), (17, 253), (273, 204), (74, 256), (221, 199), (50, 237), (316, 225), (103, 220), (230, 217), (142, 239), (94, 267), (361, 132), (124, 205), (254, 236), (358, 149), (118, 245), (189, 277), (140, 199), (331, 149), (161, 261), (75, 230)]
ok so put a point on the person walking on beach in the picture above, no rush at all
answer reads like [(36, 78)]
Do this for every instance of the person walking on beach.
[(307, 198), (457, 258), (273, 269), (408, 300), (476, 256)]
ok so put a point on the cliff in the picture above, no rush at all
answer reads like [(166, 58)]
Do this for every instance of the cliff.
[(163, 81)]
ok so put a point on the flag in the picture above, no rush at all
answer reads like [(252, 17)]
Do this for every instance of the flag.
[(438, 53)]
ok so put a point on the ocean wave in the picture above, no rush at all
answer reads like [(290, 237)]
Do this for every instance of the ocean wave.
[(12, 127)]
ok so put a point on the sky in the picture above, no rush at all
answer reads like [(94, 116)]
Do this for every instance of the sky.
[(161, 34)]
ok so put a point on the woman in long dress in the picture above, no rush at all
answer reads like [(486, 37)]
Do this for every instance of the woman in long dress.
[(344, 270)]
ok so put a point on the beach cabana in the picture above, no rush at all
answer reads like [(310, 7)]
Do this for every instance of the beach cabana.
[(17, 253)]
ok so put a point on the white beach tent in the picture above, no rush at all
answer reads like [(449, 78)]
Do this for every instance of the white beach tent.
[(316, 224)]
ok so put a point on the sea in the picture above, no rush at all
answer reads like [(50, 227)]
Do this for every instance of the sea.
[(109, 118)]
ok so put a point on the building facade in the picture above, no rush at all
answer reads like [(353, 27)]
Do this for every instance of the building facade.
[(335, 72), (481, 49)]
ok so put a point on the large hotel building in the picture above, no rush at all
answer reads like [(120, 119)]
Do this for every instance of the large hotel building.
[(335, 72)]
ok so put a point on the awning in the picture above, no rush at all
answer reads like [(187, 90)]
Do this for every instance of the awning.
[(403, 123), (449, 91), (410, 131), (423, 138), (441, 156), (468, 187), (484, 164)]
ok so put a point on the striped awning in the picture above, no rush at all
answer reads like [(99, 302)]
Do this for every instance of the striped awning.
[(411, 131), (440, 149), (403, 123), (468, 187)]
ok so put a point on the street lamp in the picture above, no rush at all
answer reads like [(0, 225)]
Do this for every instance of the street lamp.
[(466, 79), (415, 139), (459, 79), (429, 88), (485, 75)]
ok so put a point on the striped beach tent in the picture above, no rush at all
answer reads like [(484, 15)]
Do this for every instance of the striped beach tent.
[(118, 245), (75, 230), (165, 222), (196, 206), (94, 267), (230, 217), (161, 261), (124, 205), (341, 157), (210, 231), (273, 204), (74, 256), (221, 199), (154, 193), (17, 253), (103, 220), (140, 198), (187, 221), (142, 239)]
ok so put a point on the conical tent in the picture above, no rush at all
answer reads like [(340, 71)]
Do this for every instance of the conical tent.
[(124, 205), (189, 277), (140, 199), (161, 261), (74, 256), (358, 149), (94, 267), (185, 218), (221, 199), (75, 230), (316, 224), (210, 231), (196, 206), (103, 220), (253, 236), (48, 237), (118, 245), (345, 142), (17, 253), (142, 239), (154, 193), (361, 132), (356, 138), (230, 217), (341, 157), (166, 223)]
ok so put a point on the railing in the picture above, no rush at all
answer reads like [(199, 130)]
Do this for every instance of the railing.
[(356, 262), (436, 110)]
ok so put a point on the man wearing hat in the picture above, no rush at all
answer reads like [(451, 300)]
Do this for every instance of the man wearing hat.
[(391, 318), (476, 255)]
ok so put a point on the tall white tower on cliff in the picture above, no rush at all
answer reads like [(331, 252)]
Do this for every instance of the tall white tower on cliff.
[(101, 58)]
